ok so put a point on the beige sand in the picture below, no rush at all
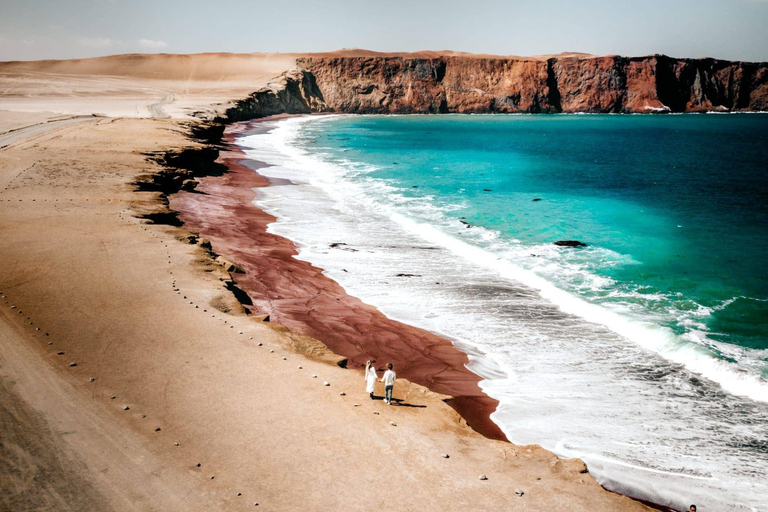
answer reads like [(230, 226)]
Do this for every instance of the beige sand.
[(165, 379)]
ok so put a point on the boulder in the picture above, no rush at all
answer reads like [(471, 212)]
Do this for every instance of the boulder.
[(189, 185)]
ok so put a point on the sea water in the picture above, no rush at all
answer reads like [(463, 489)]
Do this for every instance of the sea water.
[(644, 353)]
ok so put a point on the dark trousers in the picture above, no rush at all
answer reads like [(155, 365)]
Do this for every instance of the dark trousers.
[(388, 393)]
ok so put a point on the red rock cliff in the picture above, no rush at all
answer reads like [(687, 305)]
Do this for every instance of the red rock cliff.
[(472, 84)]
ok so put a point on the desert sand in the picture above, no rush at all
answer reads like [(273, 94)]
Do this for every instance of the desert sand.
[(130, 376)]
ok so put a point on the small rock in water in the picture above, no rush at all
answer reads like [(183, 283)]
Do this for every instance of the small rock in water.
[(570, 243), (483, 477), (445, 456), (519, 492), (326, 383)]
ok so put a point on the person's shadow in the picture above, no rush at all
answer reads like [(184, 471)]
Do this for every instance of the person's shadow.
[(399, 402)]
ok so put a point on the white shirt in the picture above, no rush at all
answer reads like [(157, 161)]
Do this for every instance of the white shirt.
[(389, 378)]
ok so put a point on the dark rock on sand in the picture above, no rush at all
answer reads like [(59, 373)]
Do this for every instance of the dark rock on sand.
[(189, 185)]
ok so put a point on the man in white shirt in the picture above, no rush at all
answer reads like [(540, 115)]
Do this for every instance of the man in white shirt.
[(389, 382)]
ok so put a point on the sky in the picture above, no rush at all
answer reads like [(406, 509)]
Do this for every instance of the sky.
[(60, 29)]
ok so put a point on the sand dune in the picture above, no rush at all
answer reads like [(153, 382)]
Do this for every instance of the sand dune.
[(136, 85)]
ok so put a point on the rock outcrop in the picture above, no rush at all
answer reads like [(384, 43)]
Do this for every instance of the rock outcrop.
[(473, 84), (570, 243), (295, 92)]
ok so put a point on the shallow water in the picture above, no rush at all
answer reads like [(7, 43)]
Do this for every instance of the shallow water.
[(644, 353)]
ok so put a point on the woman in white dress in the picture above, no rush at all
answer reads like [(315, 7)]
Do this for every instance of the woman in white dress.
[(370, 377)]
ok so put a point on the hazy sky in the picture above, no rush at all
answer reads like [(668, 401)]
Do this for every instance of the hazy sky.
[(728, 29)]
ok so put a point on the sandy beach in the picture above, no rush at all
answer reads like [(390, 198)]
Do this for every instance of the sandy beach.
[(133, 377)]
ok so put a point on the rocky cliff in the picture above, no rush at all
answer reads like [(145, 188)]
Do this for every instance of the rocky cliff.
[(472, 84), (295, 92)]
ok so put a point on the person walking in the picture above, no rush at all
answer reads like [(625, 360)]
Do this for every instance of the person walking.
[(389, 382), (370, 377)]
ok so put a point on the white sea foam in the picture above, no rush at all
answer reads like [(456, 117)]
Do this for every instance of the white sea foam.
[(535, 333)]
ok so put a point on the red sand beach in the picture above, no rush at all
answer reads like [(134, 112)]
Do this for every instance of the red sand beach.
[(299, 296)]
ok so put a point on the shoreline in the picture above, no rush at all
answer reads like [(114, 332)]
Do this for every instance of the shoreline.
[(156, 390), (298, 295), (234, 192)]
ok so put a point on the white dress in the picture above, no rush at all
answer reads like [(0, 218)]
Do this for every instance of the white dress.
[(370, 379)]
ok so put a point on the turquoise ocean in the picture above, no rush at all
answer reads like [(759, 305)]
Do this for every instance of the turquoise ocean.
[(644, 353)]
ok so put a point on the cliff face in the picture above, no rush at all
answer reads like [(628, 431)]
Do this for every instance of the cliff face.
[(295, 93), (467, 84)]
